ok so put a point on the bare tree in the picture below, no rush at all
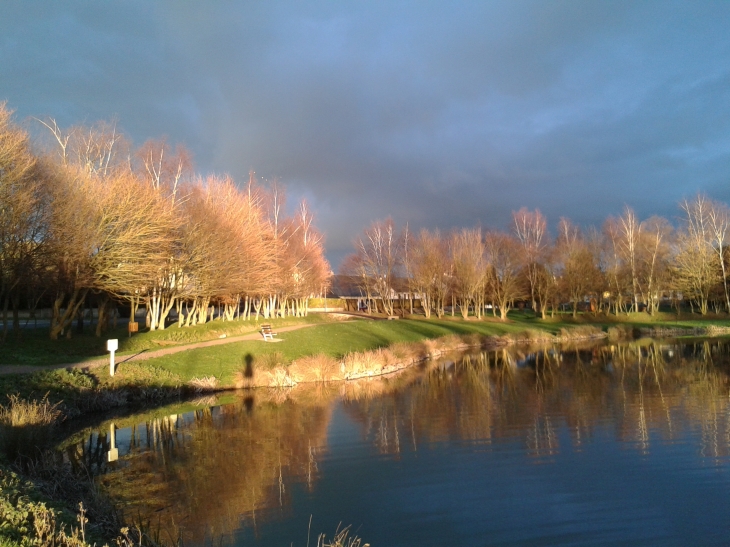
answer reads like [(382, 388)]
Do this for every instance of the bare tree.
[(23, 214), (655, 256), (617, 281), (696, 268), (531, 231), (379, 249), (629, 235), (580, 276), (99, 149), (309, 270), (469, 269), (719, 222), (355, 268), (209, 262), (164, 168), (430, 266), (71, 238), (502, 255), (545, 280)]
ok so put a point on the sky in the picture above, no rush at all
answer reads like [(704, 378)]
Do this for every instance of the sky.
[(437, 114)]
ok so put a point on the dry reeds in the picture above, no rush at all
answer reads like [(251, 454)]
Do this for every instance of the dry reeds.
[(21, 412), (342, 539), (317, 368), (207, 383), (407, 352)]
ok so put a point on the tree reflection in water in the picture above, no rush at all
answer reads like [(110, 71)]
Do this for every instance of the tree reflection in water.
[(526, 393), (207, 473)]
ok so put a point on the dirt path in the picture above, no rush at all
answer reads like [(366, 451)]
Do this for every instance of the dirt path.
[(146, 354)]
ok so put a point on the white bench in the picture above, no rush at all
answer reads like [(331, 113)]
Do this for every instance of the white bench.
[(267, 333)]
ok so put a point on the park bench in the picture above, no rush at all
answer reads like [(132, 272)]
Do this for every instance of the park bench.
[(267, 333)]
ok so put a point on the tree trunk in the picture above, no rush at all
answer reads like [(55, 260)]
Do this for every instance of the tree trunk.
[(192, 314), (61, 321), (153, 310), (16, 317), (503, 309), (101, 319), (5, 317), (166, 305), (247, 308), (179, 311), (203, 310), (133, 307), (464, 307)]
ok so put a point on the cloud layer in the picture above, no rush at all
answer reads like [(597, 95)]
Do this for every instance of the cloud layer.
[(437, 114)]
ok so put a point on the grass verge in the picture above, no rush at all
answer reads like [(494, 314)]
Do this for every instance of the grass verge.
[(33, 346)]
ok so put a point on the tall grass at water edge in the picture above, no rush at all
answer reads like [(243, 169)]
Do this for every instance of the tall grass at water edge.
[(342, 538), (22, 413)]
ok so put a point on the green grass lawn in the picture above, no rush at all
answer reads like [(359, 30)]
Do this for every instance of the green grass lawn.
[(331, 337), (34, 347), (334, 338)]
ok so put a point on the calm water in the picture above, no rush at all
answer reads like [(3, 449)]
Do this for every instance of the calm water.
[(604, 445)]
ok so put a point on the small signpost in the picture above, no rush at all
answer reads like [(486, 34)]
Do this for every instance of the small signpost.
[(111, 347)]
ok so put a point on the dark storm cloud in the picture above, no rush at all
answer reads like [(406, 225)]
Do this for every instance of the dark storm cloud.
[(439, 114)]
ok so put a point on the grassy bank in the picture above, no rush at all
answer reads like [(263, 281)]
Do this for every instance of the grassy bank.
[(33, 346), (337, 340), (223, 366)]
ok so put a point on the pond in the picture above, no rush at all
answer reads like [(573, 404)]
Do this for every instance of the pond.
[(585, 445)]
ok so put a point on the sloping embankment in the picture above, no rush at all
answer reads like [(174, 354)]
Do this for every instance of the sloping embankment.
[(394, 359)]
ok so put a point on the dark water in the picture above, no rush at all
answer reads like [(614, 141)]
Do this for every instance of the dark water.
[(603, 445)]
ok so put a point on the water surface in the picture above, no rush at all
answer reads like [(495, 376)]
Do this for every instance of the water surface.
[(596, 445)]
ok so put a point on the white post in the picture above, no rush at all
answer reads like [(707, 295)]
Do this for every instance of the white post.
[(111, 347)]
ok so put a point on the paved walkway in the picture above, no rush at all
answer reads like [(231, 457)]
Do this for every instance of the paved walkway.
[(146, 354)]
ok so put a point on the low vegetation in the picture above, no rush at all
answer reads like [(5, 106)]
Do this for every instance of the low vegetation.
[(26, 520), (342, 538), (22, 413)]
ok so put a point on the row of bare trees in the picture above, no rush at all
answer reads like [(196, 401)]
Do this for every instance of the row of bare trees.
[(87, 217), (628, 265)]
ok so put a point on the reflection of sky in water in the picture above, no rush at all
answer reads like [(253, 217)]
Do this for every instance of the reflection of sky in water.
[(586, 456)]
